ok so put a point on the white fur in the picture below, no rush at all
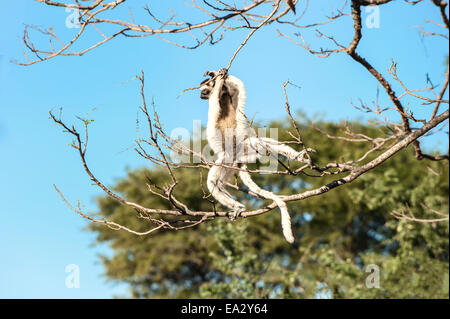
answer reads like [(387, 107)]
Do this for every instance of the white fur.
[(218, 176), (247, 151)]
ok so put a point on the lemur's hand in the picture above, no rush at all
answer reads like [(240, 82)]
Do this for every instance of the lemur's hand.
[(223, 72)]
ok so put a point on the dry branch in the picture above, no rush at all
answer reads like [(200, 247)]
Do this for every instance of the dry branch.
[(222, 17)]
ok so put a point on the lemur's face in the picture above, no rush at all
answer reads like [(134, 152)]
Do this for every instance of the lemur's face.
[(206, 88)]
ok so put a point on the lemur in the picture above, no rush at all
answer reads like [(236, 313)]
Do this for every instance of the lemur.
[(228, 137)]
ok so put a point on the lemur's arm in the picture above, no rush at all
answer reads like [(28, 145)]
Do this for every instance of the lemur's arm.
[(214, 101), (213, 133), (240, 111)]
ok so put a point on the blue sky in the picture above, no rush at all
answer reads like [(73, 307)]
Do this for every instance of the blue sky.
[(39, 234)]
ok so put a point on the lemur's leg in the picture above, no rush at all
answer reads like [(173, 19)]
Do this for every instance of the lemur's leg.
[(217, 177), (263, 143)]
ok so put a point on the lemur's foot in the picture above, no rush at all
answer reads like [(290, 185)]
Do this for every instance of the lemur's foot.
[(235, 213), (301, 157)]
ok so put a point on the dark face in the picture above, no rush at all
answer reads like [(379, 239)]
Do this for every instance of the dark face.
[(206, 89)]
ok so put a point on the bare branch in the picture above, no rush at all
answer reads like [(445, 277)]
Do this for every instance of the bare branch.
[(180, 209)]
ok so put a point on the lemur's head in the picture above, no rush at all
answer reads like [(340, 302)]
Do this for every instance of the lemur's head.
[(206, 88)]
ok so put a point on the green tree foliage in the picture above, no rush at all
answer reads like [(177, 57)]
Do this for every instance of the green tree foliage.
[(338, 234)]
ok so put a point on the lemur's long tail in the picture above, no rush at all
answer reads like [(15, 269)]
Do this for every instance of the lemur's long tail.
[(285, 218)]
